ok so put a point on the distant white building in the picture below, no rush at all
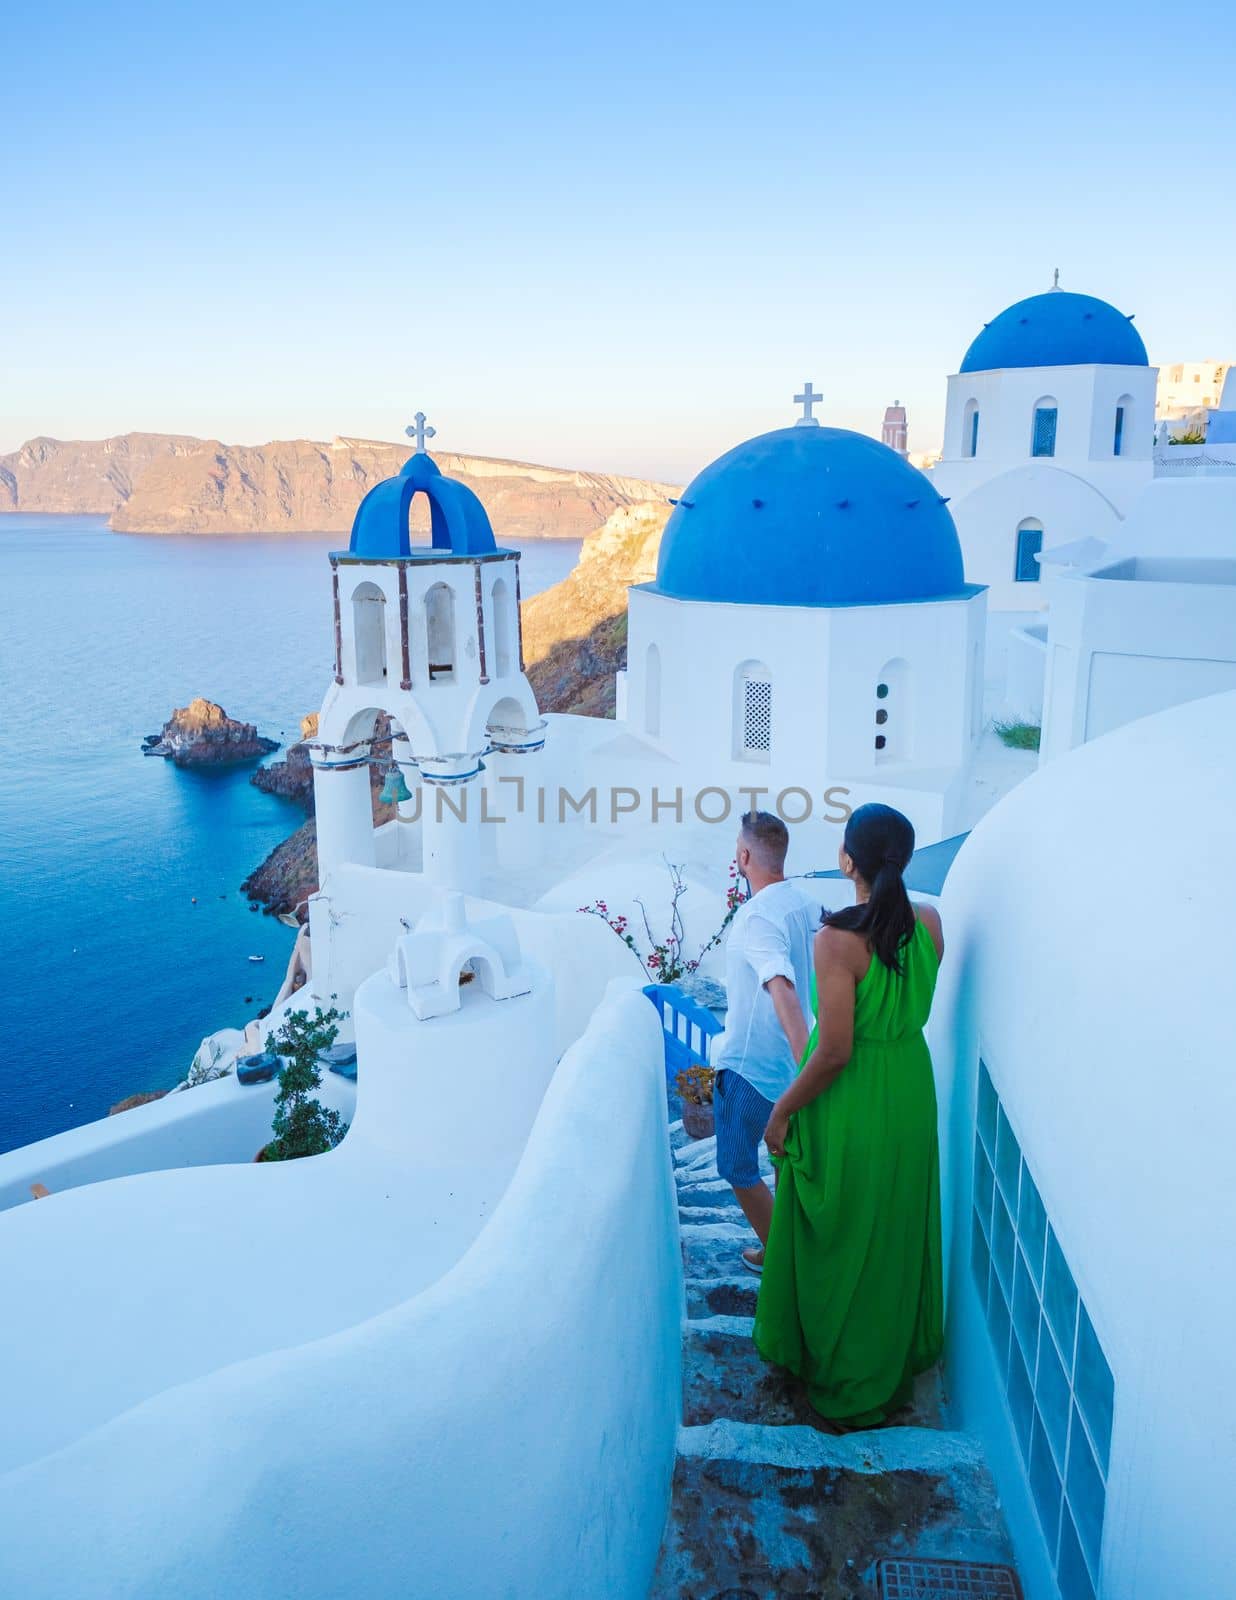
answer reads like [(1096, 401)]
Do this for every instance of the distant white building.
[(1187, 389), (1048, 438)]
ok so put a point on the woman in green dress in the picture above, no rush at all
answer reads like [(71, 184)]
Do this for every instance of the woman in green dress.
[(852, 1298)]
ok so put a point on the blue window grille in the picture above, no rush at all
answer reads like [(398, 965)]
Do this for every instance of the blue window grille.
[(972, 441), (1029, 543), (1118, 440), (689, 1029), (1044, 431), (1056, 1378)]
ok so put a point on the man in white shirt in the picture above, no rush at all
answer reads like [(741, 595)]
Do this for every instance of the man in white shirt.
[(768, 964)]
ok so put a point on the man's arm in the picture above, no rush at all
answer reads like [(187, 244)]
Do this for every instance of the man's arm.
[(784, 997), (768, 950)]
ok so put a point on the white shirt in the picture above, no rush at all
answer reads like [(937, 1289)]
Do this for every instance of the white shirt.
[(772, 935)]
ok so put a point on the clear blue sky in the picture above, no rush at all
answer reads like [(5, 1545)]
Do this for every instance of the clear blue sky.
[(617, 238)]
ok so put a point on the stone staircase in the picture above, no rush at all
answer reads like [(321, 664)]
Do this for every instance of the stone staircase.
[(766, 1506)]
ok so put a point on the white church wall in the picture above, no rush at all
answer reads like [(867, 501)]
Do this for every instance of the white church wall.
[(474, 1393), (1025, 672), (1122, 1120), (823, 667), (1085, 398), (988, 517)]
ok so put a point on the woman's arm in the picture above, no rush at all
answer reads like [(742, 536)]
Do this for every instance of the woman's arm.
[(835, 978)]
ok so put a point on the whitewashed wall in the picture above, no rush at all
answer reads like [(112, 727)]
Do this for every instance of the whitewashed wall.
[(509, 1429), (1089, 950)]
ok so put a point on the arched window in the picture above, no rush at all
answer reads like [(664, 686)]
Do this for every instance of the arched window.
[(652, 692), (1026, 568), (1043, 434), (970, 429), (440, 631), (1123, 427), (504, 631), (369, 632), (892, 712), (752, 712)]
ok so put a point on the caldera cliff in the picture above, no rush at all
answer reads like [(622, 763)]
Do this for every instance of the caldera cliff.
[(165, 483)]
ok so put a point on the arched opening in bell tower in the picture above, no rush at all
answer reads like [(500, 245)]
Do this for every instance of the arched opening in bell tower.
[(440, 632), (369, 632)]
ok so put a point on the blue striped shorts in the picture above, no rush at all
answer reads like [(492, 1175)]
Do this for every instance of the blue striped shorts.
[(741, 1114)]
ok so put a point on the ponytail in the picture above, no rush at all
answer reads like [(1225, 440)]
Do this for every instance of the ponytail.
[(880, 842)]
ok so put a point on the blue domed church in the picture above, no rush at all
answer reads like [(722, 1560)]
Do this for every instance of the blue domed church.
[(811, 628), (1048, 438)]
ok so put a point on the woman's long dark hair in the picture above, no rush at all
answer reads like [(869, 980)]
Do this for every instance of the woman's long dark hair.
[(880, 842)]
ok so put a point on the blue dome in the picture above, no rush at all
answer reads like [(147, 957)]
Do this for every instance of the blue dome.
[(810, 516), (457, 519), (1057, 329)]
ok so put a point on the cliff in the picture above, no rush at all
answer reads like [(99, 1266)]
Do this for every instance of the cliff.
[(291, 778), (202, 734), (162, 483), (575, 634), (83, 478)]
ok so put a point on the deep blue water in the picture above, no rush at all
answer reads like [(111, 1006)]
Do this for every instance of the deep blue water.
[(112, 974)]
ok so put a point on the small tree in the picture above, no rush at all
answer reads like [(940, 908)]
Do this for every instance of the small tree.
[(666, 961), (303, 1126)]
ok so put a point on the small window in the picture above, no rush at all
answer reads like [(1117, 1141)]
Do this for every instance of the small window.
[(1044, 442), (970, 429), (757, 716), (1029, 544), (1118, 440), (752, 712), (881, 691)]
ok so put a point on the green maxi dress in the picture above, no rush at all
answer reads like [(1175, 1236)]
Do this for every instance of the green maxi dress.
[(852, 1296)]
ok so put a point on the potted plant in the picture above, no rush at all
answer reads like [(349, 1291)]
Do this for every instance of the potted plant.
[(302, 1125), (694, 1086)]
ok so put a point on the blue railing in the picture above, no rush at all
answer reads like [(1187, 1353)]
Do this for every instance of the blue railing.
[(689, 1029)]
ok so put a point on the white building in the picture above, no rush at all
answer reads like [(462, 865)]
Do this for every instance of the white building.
[(1048, 438), (810, 627), (1150, 620)]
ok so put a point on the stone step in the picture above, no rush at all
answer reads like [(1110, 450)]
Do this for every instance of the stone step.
[(714, 1249), (725, 1377), (722, 1297), (766, 1513)]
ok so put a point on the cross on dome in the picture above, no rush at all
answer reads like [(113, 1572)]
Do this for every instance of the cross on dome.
[(806, 400), (1055, 279), (420, 432)]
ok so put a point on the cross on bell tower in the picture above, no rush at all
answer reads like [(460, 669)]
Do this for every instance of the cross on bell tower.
[(807, 399), (420, 432)]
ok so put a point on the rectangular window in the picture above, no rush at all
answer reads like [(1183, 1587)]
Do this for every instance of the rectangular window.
[(1044, 431), (1059, 1386), (1029, 544), (756, 717), (972, 442), (1119, 439)]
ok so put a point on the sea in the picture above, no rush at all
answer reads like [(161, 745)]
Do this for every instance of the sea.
[(124, 938)]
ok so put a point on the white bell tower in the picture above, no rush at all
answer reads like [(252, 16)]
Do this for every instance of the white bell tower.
[(430, 636)]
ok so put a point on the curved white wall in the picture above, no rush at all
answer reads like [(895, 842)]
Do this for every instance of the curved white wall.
[(1089, 928), (441, 1446)]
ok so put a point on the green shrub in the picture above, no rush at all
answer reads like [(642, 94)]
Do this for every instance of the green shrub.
[(303, 1126), (1019, 735)]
